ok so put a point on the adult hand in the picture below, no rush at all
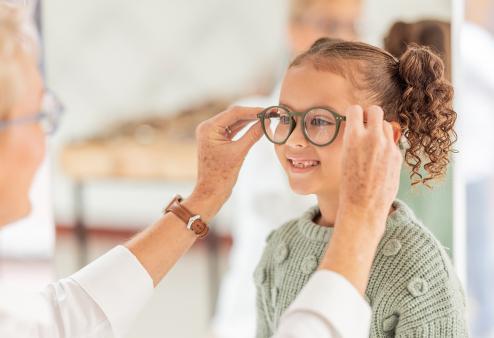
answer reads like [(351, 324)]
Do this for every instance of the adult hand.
[(371, 166), (162, 244), (371, 173), (220, 157)]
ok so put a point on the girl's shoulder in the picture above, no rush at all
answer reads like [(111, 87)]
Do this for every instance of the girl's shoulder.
[(413, 283), (406, 237)]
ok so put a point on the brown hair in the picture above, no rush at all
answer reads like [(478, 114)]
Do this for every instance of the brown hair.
[(411, 90), (431, 33)]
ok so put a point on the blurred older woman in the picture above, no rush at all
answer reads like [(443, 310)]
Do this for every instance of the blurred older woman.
[(21, 94)]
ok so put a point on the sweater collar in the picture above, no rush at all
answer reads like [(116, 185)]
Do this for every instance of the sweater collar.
[(401, 215), (313, 231)]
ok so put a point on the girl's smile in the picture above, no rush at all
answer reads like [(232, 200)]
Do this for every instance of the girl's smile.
[(301, 164)]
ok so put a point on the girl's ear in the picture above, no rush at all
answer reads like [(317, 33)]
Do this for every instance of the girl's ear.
[(396, 131)]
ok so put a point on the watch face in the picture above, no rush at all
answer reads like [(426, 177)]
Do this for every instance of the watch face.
[(191, 225), (199, 227)]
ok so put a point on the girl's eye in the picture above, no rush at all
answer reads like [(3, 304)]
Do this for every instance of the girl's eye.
[(285, 119), (320, 122), (272, 115)]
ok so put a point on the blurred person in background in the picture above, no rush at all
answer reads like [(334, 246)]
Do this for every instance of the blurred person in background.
[(34, 235), (476, 118), (261, 197)]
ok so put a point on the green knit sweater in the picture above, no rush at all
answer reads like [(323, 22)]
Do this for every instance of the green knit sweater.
[(413, 289)]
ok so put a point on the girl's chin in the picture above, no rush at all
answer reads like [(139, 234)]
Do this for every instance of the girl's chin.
[(301, 188)]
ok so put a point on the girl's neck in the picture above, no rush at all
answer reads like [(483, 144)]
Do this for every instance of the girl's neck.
[(328, 205)]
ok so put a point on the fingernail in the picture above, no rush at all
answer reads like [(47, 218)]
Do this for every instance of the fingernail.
[(355, 108)]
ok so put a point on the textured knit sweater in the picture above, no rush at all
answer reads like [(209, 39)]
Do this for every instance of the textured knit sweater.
[(413, 290)]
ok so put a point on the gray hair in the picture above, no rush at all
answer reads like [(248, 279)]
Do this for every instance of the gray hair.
[(17, 35)]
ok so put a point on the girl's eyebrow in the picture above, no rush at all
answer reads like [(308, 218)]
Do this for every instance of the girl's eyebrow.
[(323, 106), (286, 106)]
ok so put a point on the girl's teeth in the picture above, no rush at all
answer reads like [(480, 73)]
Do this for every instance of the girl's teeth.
[(304, 164)]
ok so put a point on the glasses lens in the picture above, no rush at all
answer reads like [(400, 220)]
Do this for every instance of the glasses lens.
[(320, 125), (46, 123), (277, 123), (52, 109)]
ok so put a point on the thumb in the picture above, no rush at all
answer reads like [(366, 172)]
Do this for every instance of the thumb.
[(251, 136)]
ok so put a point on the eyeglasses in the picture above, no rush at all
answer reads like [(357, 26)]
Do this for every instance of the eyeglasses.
[(49, 116), (320, 125)]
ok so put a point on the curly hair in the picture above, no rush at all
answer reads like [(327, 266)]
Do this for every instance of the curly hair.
[(412, 91)]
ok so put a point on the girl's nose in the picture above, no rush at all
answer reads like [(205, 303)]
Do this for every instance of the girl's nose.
[(297, 138)]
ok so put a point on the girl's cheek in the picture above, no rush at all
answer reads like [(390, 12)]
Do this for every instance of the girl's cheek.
[(280, 154), (330, 157)]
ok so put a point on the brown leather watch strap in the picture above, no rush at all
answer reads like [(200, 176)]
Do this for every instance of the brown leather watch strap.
[(193, 222)]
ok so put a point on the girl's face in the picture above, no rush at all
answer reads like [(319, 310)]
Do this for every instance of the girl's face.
[(305, 87)]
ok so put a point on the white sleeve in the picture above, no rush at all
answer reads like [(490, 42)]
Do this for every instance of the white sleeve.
[(327, 307), (99, 301)]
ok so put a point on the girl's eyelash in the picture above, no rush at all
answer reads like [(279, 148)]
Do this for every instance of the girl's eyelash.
[(322, 119)]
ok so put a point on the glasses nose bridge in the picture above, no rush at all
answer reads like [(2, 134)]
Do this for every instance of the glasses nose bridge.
[(300, 139), (297, 118)]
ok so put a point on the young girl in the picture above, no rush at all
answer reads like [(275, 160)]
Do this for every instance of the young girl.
[(413, 289)]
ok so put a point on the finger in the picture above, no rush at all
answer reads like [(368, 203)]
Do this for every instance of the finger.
[(238, 127), (235, 114), (388, 131), (396, 131), (354, 118), (251, 136), (375, 117)]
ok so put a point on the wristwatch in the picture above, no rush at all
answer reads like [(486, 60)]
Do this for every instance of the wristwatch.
[(193, 222)]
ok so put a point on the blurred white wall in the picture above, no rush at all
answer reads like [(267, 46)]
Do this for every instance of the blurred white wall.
[(114, 60)]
